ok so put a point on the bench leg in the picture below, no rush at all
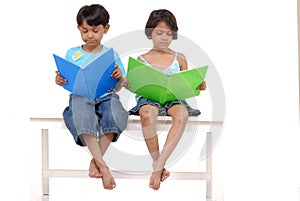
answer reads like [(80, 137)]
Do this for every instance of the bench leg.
[(45, 162), (209, 164)]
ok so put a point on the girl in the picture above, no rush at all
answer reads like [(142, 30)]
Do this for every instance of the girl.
[(161, 28)]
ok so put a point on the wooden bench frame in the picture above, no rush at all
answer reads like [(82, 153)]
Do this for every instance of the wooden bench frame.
[(46, 123)]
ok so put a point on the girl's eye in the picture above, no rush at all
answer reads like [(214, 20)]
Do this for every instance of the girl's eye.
[(159, 32)]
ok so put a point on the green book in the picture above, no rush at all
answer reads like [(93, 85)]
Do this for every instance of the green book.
[(151, 83)]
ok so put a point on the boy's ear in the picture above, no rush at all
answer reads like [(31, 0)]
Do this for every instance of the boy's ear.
[(106, 28)]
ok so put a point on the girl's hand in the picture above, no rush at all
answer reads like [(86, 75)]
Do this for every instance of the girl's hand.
[(122, 83), (202, 86), (59, 80), (117, 73), (125, 83)]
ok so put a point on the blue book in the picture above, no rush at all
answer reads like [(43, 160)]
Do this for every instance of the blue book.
[(91, 80)]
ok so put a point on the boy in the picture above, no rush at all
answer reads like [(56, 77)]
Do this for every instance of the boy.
[(103, 118)]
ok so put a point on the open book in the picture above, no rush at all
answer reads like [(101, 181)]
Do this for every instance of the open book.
[(91, 80), (151, 83)]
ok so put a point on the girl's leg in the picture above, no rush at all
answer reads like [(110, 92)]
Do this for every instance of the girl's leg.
[(148, 115), (179, 116), (97, 153)]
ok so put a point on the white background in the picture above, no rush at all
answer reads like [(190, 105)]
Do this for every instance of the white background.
[(253, 45)]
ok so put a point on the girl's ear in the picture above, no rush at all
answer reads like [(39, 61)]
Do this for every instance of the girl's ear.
[(106, 28)]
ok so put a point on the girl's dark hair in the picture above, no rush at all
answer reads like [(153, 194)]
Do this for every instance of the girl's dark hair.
[(94, 15), (157, 16)]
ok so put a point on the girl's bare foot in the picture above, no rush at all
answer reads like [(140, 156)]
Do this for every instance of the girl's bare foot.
[(94, 172), (155, 179), (165, 174)]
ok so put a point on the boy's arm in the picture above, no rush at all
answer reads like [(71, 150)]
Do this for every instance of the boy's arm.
[(59, 80)]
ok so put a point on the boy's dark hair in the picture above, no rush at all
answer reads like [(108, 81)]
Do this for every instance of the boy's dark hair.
[(94, 15), (157, 16)]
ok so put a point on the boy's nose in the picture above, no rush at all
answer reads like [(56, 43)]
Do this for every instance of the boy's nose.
[(90, 35)]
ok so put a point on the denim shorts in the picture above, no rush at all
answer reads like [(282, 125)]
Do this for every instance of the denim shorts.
[(162, 109), (95, 117)]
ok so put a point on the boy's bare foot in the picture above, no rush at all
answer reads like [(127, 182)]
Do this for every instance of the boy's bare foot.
[(93, 170), (108, 180), (165, 174)]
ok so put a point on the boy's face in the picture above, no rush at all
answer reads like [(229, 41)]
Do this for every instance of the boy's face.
[(92, 35), (162, 36)]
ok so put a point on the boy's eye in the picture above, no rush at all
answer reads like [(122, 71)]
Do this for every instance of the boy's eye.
[(84, 31), (170, 33)]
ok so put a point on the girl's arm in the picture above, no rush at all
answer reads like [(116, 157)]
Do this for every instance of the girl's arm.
[(202, 86), (122, 83), (182, 62), (183, 66), (117, 74)]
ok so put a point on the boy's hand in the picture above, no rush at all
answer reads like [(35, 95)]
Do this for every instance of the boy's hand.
[(59, 80), (117, 73), (202, 86)]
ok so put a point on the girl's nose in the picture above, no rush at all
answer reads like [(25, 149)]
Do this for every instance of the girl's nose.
[(164, 36)]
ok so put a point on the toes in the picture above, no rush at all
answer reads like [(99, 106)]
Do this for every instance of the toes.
[(165, 174), (155, 180)]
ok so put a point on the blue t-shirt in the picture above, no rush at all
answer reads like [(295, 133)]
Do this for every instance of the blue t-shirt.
[(80, 57)]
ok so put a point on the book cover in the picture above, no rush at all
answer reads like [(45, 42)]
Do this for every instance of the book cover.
[(91, 80), (151, 83)]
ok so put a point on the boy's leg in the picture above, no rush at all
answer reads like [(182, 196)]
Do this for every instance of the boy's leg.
[(94, 147), (112, 121), (82, 107), (104, 143), (94, 172)]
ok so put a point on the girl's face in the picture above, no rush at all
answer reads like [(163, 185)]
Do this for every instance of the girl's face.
[(92, 35), (162, 36)]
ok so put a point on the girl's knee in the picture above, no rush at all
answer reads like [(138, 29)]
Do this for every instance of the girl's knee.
[(181, 115), (148, 115)]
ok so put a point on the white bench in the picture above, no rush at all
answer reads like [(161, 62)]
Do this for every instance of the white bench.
[(46, 123)]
